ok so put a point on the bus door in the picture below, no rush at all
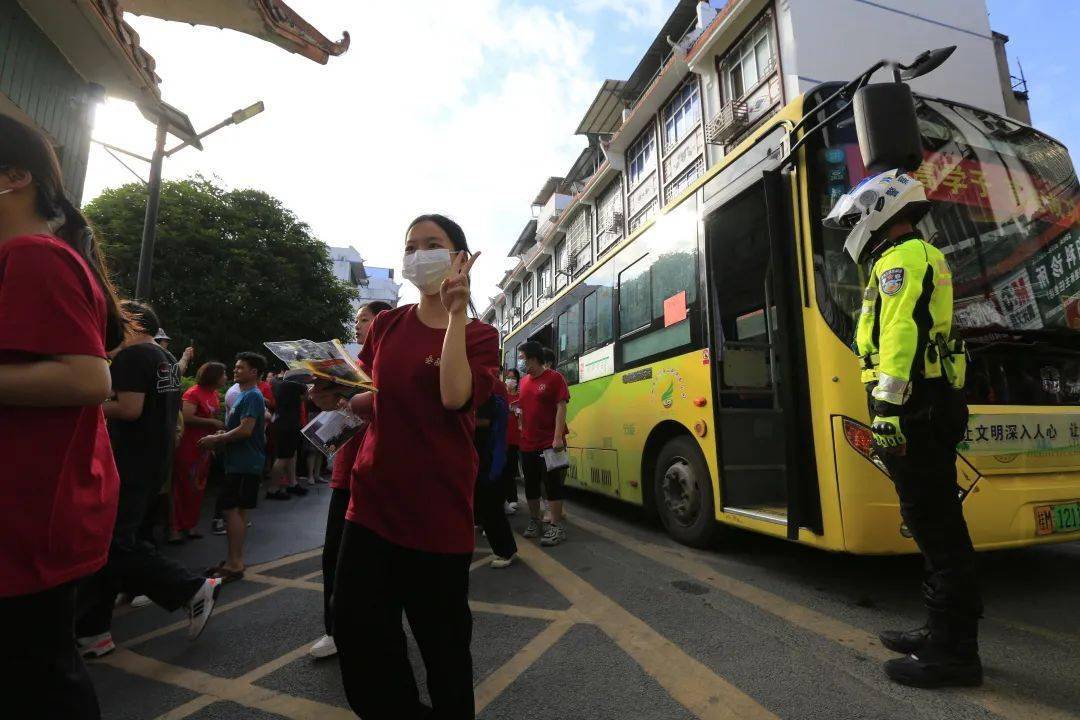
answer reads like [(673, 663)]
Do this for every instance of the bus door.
[(753, 293)]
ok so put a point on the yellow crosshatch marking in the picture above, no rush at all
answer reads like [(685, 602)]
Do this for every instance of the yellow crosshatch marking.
[(685, 679)]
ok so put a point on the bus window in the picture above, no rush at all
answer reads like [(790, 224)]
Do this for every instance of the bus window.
[(667, 274), (569, 335), (598, 318), (635, 297)]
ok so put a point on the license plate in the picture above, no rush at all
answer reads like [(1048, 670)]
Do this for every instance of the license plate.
[(1050, 519)]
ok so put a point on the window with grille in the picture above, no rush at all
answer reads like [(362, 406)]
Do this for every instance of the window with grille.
[(682, 113), (560, 263), (527, 303), (640, 158), (579, 241), (543, 282), (609, 210), (749, 63)]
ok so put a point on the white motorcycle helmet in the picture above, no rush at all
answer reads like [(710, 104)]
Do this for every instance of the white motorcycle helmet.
[(871, 205)]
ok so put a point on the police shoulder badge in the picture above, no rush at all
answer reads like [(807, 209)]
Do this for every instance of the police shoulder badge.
[(892, 281)]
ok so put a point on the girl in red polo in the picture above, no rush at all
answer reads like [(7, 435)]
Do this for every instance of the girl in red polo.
[(58, 483), (408, 541)]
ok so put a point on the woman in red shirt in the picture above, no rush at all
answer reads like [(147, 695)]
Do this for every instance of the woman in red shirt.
[(191, 464), (58, 483), (344, 459), (409, 538)]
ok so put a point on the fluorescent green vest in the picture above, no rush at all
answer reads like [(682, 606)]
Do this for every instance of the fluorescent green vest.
[(906, 320)]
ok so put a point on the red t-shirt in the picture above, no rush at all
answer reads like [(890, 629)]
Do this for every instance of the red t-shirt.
[(538, 399), (268, 394), (207, 403), (413, 479), (58, 482)]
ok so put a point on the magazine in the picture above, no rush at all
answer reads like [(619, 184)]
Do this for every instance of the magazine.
[(332, 429), (307, 360)]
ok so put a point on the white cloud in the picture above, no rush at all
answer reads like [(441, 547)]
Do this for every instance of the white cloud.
[(433, 109), (636, 13)]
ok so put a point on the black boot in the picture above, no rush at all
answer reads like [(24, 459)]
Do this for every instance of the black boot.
[(935, 666), (905, 642), (949, 657)]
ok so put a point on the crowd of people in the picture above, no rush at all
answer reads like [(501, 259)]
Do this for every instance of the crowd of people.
[(103, 444)]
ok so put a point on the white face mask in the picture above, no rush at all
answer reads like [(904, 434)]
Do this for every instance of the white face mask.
[(426, 269), (511, 384)]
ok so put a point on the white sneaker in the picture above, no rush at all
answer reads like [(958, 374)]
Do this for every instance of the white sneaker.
[(324, 648), (140, 601), (201, 605), (500, 562), (96, 646), (510, 508)]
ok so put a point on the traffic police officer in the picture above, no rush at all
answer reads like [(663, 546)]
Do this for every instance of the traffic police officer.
[(913, 371)]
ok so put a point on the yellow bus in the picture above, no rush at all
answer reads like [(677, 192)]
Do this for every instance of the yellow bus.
[(708, 352)]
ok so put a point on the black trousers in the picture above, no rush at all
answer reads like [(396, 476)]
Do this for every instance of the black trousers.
[(134, 567), (376, 582), (489, 499), (335, 524), (42, 674), (511, 471), (925, 478), (538, 477)]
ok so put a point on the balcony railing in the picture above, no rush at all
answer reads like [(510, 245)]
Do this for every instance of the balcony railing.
[(729, 122)]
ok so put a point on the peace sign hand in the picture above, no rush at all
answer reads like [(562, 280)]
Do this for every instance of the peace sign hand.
[(454, 291)]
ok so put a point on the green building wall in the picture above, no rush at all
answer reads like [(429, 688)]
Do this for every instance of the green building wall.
[(36, 77)]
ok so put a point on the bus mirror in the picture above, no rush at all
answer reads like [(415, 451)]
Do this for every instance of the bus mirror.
[(888, 128)]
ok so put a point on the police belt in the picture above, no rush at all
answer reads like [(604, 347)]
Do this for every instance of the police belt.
[(942, 358)]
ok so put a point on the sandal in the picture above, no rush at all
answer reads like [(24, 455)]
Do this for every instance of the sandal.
[(214, 568), (227, 576)]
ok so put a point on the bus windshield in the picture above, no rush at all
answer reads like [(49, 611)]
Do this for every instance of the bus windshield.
[(1005, 214)]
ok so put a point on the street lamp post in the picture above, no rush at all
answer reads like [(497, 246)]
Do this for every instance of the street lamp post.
[(153, 200)]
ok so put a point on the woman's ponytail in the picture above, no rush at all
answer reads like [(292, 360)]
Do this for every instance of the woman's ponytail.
[(25, 148), (77, 233)]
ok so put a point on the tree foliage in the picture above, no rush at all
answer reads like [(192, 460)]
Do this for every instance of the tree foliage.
[(232, 268)]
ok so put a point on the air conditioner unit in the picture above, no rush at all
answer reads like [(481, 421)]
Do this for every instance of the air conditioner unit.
[(611, 223), (729, 122)]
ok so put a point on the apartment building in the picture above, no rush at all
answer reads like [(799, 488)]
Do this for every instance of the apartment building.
[(714, 73)]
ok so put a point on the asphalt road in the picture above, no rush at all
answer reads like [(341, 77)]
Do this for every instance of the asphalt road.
[(619, 622)]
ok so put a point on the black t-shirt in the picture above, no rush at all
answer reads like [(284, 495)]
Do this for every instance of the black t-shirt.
[(144, 447), (288, 397)]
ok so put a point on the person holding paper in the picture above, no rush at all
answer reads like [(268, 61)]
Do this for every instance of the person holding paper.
[(408, 539), (542, 398), (324, 397)]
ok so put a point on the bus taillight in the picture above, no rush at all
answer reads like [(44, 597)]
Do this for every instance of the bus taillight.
[(861, 439)]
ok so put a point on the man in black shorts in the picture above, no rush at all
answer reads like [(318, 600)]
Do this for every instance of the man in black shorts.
[(244, 443), (542, 398)]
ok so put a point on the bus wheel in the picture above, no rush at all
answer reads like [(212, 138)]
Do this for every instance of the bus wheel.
[(683, 493)]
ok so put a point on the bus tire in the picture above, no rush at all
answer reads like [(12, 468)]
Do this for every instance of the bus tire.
[(682, 493)]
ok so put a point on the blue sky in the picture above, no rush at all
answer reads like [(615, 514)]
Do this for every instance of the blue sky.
[(463, 108), (1044, 36)]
